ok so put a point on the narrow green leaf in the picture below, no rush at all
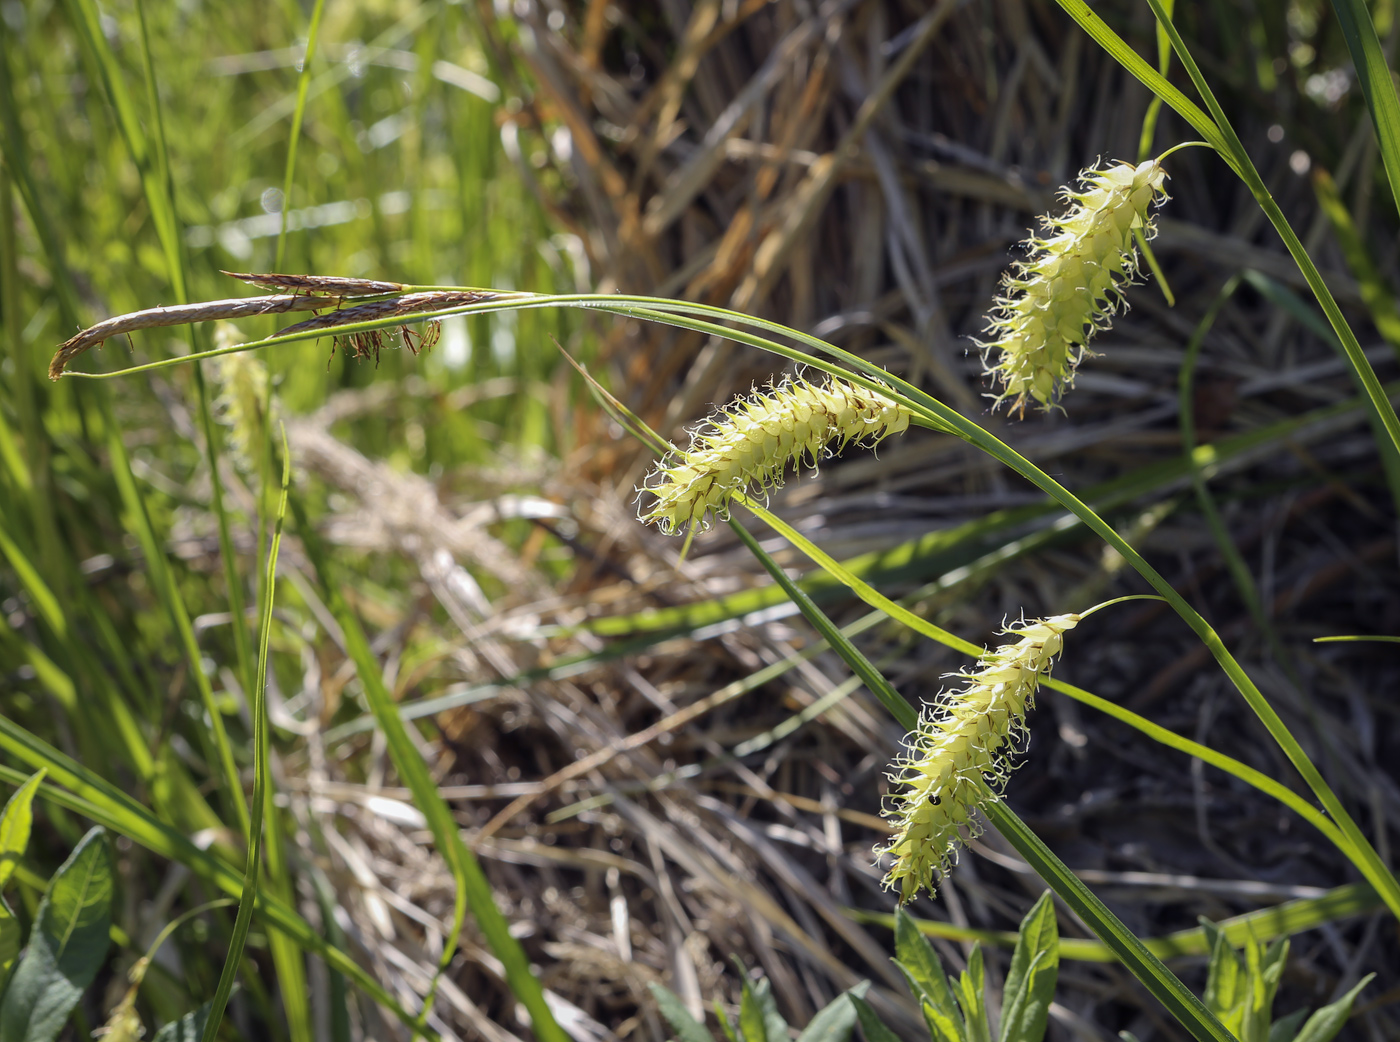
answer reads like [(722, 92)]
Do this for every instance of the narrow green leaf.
[(833, 1023), (1152, 79), (1323, 1025), (98, 800), (1376, 83), (313, 34), (15, 824), (66, 947), (473, 888), (686, 1027), (1030, 983), (870, 1023), (1375, 293), (252, 869), (189, 1028)]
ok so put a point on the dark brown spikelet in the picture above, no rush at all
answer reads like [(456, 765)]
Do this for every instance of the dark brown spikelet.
[(322, 285), (408, 304), (179, 315)]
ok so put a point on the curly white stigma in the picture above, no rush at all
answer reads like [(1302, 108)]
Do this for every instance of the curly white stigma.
[(747, 447), (955, 758), (1071, 284)]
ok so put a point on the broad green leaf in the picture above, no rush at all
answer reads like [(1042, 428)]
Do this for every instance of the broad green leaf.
[(834, 1022), (870, 1023), (189, 1028), (916, 957), (1323, 1025), (1376, 83), (15, 823), (66, 947), (725, 1026), (686, 1027), (1225, 978), (1285, 1029), (759, 1019), (11, 940), (943, 1027), (972, 985), (1030, 983)]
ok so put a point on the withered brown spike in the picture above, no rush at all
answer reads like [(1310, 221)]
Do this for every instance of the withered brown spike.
[(179, 315), (412, 303), (328, 285)]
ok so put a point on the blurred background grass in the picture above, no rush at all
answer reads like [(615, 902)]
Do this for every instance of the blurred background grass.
[(858, 169)]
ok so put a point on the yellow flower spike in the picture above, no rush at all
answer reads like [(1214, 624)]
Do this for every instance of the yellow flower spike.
[(242, 404), (951, 762), (1071, 283), (747, 447)]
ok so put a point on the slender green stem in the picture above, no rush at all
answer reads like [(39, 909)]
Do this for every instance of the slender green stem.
[(930, 412), (261, 770), (303, 86), (1155, 976), (1189, 1011)]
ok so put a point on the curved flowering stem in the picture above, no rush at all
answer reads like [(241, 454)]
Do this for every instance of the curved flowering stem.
[(925, 410), (1189, 1011), (1146, 967), (1228, 764), (1216, 129)]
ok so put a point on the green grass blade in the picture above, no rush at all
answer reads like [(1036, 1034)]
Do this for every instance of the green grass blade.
[(1139, 961), (1188, 1010), (261, 771), (904, 713), (1376, 83), (1264, 924), (473, 889), (1234, 153), (303, 86), (1169, 738), (930, 412), (98, 800), (1151, 78), (167, 590)]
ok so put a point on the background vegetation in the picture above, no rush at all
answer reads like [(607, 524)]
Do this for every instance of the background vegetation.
[(655, 761)]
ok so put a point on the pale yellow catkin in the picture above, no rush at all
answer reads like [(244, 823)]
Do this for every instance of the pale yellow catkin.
[(748, 447), (243, 404), (1070, 285), (957, 756)]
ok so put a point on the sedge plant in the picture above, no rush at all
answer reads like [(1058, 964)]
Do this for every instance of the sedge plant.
[(1053, 303)]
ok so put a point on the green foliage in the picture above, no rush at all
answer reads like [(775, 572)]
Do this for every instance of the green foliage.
[(188, 1028), (1241, 986), (958, 1012), (759, 1019), (66, 946)]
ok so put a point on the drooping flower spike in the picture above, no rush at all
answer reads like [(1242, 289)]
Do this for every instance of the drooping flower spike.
[(1071, 283), (748, 446), (956, 758)]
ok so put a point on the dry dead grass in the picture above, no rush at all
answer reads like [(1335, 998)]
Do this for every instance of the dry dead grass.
[(859, 170)]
